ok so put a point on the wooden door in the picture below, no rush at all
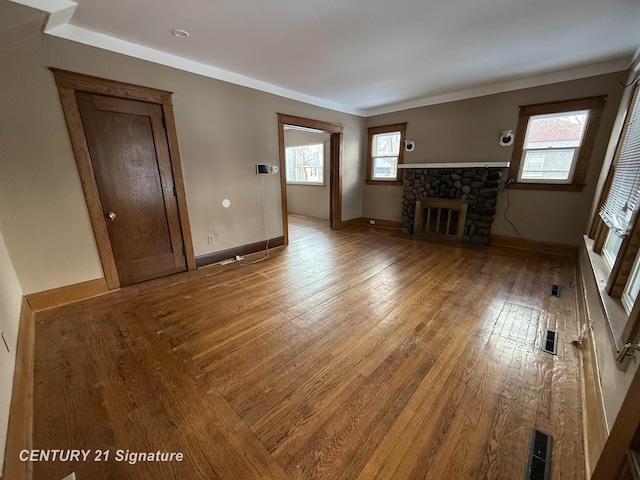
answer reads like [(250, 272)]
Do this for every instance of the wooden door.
[(130, 157)]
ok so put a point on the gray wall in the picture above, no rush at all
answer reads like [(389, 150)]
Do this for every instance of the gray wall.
[(223, 131), (468, 131)]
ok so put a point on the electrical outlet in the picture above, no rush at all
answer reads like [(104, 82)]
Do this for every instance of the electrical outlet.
[(372, 222), (275, 169), (210, 239)]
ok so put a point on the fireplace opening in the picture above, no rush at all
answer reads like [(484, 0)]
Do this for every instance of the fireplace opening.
[(443, 218)]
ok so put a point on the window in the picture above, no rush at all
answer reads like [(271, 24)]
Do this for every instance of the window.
[(553, 144), (385, 154), (611, 248), (616, 234), (305, 164), (630, 292)]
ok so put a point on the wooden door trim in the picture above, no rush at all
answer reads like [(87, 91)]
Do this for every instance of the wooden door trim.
[(178, 182), (624, 429), (112, 88), (20, 426), (335, 175), (89, 186), (335, 167), (68, 83)]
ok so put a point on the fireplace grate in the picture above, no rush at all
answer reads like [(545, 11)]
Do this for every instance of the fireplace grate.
[(443, 218)]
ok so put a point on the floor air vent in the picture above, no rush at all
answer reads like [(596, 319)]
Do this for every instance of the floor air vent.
[(551, 342), (539, 463)]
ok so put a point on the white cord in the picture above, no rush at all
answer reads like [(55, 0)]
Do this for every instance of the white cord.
[(541, 253), (264, 229)]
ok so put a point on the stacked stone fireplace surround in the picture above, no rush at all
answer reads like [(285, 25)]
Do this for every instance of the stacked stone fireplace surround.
[(478, 186)]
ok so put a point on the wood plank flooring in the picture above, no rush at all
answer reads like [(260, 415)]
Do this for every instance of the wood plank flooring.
[(352, 354)]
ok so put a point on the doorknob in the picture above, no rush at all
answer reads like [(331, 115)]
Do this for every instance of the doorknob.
[(112, 216)]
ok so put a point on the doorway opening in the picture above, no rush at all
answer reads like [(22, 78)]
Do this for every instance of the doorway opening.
[(310, 158)]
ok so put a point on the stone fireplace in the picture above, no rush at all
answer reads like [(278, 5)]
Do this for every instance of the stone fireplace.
[(476, 187)]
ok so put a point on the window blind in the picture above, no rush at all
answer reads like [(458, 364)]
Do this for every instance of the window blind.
[(620, 208)]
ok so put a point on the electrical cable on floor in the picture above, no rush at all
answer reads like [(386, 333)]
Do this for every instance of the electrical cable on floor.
[(264, 229), (541, 253)]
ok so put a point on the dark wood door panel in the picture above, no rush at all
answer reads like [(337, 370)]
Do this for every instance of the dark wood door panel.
[(129, 152)]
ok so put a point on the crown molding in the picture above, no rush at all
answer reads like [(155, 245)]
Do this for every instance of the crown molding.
[(57, 24), (61, 12), (602, 68)]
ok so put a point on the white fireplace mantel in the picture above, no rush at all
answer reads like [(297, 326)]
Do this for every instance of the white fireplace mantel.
[(456, 165)]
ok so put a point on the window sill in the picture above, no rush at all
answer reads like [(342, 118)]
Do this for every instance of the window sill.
[(560, 187), (613, 310), (384, 182)]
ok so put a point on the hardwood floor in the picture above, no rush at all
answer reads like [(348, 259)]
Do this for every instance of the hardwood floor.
[(352, 354)]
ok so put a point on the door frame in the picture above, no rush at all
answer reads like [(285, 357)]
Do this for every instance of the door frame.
[(68, 84), (624, 434), (335, 167)]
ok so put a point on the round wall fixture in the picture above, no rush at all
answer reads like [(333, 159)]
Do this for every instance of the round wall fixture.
[(177, 32), (506, 138), (226, 203)]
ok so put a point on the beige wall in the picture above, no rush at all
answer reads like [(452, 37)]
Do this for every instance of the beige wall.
[(223, 131), (468, 130), (614, 382), (309, 200), (10, 302)]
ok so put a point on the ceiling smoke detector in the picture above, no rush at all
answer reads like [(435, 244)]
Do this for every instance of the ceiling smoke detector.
[(177, 32)]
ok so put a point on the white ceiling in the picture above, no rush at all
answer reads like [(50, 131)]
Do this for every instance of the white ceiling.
[(364, 56)]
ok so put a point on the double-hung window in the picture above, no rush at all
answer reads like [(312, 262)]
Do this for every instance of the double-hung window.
[(616, 230), (385, 153), (553, 144)]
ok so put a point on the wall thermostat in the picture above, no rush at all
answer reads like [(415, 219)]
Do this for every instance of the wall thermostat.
[(262, 169)]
